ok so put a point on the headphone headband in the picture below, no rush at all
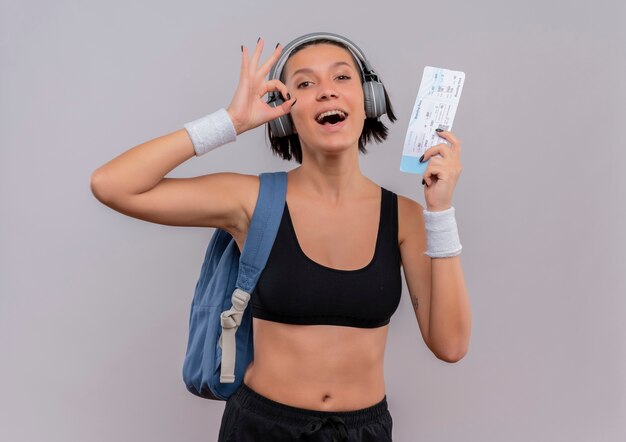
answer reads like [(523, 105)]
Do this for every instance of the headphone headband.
[(278, 67)]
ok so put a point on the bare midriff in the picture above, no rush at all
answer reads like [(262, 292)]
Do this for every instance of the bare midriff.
[(318, 367)]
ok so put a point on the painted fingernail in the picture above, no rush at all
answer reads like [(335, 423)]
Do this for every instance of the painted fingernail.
[(258, 40), (421, 159), (277, 44), (288, 96), (241, 48), (423, 182), (294, 102), (439, 130)]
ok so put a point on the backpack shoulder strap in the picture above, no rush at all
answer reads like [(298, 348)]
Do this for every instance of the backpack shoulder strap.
[(263, 228), (259, 241)]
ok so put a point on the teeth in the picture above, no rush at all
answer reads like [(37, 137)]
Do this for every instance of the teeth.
[(332, 112)]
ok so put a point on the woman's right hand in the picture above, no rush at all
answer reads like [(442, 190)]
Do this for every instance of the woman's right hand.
[(248, 109)]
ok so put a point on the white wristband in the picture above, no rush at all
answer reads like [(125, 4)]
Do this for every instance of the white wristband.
[(442, 234), (211, 131)]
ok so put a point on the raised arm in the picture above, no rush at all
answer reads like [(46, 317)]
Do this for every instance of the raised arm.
[(430, 248), (134, 182)]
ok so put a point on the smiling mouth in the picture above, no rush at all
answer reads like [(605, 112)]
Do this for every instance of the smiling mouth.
[(331, 117)]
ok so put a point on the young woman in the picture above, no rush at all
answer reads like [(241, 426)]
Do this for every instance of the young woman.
[(322, 306)]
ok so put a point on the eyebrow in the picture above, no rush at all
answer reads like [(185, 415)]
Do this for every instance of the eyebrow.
[(308, 71)]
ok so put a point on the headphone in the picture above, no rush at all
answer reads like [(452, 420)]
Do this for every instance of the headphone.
[(373, 91)]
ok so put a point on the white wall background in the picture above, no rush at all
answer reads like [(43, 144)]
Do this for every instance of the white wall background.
[(94, 305)]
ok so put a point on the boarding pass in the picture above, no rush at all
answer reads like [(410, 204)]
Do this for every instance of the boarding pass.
[(435, 106)]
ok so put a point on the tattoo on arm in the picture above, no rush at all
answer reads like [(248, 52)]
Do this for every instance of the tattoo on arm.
[(415, 302)]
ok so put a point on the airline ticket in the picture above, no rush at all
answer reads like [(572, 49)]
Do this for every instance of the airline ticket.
[(435, 106)]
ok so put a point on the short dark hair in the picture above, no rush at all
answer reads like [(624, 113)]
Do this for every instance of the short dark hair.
[(289, 147)]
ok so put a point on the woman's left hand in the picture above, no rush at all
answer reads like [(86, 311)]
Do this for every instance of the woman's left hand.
[(442, 172)]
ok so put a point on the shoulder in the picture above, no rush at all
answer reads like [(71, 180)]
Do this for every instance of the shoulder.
[(245, 188), (410, 218)]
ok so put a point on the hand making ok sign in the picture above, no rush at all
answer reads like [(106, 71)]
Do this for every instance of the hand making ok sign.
[(249, 109)]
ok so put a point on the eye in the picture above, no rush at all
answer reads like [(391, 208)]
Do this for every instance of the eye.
[(304, 84), (343, 77)]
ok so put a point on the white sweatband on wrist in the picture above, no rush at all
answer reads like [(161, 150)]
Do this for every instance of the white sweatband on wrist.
[(442, 234), (211, 131)]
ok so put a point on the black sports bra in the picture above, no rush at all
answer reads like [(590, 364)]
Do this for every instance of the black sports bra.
[(294, 289)]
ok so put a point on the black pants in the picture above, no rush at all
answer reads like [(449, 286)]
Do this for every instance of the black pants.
[(251, 417)]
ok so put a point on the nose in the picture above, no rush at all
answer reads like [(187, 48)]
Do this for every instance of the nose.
[(327, 91)]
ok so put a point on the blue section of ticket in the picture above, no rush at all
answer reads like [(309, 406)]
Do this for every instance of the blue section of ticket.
[(435, 107)]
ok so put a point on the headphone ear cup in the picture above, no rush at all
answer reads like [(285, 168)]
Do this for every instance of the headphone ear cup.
[(374, 95), (281, 126)]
